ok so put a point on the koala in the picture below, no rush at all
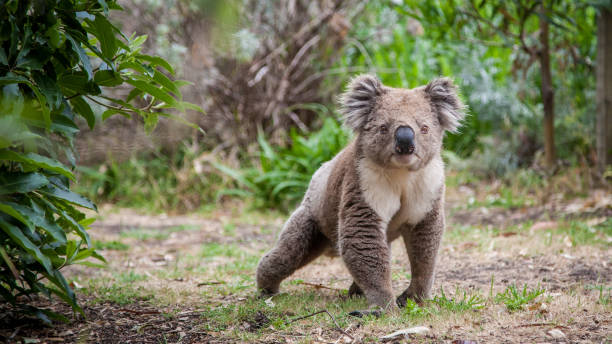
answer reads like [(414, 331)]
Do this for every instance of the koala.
[(388, 182)]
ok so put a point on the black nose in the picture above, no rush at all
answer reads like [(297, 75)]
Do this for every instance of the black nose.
[(404, 140)]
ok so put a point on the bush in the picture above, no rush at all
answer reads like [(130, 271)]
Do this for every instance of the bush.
[(55, 58), (282, 176)]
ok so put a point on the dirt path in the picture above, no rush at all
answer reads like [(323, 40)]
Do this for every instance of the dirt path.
[(189, 279)]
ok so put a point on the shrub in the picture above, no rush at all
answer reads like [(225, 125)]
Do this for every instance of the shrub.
[(283, 174), (55, 58)]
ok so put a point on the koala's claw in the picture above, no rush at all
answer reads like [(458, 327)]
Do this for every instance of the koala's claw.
[(265, 293), (354, 290), (403, 298), (361, 313)]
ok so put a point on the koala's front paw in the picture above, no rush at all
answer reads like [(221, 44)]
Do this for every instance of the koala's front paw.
[(354, 290), (266, 293), (408, 294)]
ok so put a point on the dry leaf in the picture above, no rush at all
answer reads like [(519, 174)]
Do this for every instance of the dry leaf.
[(596, 220), (567, 241), (507, 234), (556, 333), (269, 302)]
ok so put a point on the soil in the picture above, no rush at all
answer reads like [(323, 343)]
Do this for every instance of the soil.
[(461, 265)]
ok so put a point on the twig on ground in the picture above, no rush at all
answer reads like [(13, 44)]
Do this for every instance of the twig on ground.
[(210, 283), (320, 286), (338, 328), (536, 324)]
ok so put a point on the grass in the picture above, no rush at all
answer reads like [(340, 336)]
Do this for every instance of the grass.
[(143, 234), (515, 299), (110, 245), (604, 293), (468, 301), (213, 274)]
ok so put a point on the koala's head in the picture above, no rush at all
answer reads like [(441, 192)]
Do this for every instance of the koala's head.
[(401, 128)]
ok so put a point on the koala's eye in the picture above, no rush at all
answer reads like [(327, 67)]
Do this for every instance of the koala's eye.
[(424, 129), (384, 129)]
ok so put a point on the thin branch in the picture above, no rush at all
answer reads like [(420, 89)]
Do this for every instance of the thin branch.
[(338, 328), (107, 105), (210, 283), (313, 24), (320, 286)]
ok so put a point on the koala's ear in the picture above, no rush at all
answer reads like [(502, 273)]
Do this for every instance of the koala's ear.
[(359, 99), (443, 96)]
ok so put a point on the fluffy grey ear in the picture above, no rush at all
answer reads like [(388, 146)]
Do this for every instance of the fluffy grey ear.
[(359, 99), (443, 96)]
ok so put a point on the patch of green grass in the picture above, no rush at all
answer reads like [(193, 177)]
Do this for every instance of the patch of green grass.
[(515, 299), (506, 197), (229, 229), (110, 245), (582, 233), (215, 249), (467, 302), (604, 293), (154, 234), (130, 277), (284, 308), (121, 294)]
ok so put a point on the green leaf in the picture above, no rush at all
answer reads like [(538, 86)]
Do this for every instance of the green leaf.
[(6, 80), (36, 215), (19, 238), (167, 83), (106, 36), (78, 83), (21, 182), (3, 58), (60, 192), (108, 113), (48, 88), (108, 78), (156, 61), (76, 46), (38, 161), (8, 209), (9, 263), (153, 91), (80, 106)]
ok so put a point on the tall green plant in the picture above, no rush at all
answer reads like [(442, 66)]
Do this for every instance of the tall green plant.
[(56, 58), (283, 174)]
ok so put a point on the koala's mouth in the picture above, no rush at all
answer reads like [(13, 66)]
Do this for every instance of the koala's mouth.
[(406, 160)]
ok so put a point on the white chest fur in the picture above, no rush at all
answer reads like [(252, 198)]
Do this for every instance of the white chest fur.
[(400, 196)]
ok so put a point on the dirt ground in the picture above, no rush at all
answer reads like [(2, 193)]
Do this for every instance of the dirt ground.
[(167, 275)]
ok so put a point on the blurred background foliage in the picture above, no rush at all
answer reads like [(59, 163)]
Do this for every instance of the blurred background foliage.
[(268, 73)]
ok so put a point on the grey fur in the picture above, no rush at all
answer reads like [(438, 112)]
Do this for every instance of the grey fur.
[(443, 95), (359, 100), (367, 196)]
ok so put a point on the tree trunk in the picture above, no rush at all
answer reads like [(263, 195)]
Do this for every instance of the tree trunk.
[(548, 94), (604, 90)]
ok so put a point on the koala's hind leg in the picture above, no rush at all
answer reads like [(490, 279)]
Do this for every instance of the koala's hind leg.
[(422, 243), (300, 242)]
